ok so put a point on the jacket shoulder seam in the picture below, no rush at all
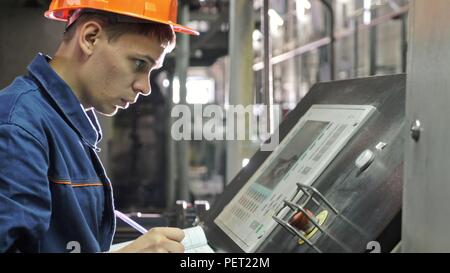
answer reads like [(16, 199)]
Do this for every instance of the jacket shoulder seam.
[(26, 131), (11, 113)]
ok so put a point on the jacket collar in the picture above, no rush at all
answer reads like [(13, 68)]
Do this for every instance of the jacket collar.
[(85, 123)]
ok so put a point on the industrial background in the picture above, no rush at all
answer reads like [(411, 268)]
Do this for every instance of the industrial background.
[(158, 180)]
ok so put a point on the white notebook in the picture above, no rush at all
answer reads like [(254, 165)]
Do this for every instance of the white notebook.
[(194, 241)]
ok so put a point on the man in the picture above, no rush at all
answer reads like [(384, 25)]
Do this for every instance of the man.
[(54, 193)]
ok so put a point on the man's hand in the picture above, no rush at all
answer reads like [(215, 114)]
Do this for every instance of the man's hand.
[(159, 240)]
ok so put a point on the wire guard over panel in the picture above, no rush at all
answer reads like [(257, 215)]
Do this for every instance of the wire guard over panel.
[(301, 208)]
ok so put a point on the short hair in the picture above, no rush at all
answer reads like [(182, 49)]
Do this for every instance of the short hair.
[(115, 28)]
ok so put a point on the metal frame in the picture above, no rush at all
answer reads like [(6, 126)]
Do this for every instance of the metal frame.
[(327, 40), (426, 205)]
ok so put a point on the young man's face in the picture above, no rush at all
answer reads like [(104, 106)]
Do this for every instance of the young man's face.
[(119, 71)]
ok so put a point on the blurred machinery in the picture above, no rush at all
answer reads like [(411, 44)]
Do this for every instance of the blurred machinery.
[(334, 184)]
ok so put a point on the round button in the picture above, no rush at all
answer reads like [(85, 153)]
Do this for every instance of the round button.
[(301, 221), (364, 160)]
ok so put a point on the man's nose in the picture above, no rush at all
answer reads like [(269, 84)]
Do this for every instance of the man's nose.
[(142, 86)]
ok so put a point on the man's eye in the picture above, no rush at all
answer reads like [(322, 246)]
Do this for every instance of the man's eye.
[(140, 65)]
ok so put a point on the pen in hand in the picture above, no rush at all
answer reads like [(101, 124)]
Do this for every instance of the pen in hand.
[(130, 221)]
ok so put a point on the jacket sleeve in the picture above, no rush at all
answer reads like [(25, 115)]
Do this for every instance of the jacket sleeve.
[(25, 203)]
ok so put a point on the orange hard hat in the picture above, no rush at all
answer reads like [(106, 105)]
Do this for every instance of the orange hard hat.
[(161, 11)]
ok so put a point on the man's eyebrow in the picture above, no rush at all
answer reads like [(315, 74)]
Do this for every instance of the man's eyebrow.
[(150, 60)]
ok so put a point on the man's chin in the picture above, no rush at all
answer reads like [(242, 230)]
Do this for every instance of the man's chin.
[(108, 113)]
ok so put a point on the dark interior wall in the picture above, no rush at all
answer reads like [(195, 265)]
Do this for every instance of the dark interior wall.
[(137, 158), (23, 33)]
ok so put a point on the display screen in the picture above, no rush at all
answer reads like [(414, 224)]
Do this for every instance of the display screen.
[(291, 153), (301, 157)]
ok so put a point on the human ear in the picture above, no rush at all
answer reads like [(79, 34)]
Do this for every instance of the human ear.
[(90, 34)]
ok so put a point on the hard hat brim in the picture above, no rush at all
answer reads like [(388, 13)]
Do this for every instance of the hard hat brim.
[(184, 29), (63, 15)]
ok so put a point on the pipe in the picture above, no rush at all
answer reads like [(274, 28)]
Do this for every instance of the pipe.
[(330, 10), (267, 70)]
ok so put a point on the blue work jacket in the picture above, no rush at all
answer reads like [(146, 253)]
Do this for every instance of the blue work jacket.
[(54, 193)]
